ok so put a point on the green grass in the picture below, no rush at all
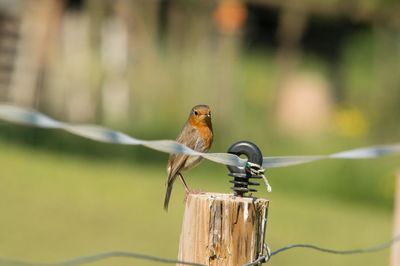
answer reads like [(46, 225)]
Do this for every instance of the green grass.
[(58, 206)]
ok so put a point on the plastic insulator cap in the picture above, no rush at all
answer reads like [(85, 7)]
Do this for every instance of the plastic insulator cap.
[(247, 148)]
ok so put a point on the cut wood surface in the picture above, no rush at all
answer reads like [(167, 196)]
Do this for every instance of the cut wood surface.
[(221, 229)]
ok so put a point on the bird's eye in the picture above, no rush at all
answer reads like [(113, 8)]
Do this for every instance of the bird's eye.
[(195, 112)]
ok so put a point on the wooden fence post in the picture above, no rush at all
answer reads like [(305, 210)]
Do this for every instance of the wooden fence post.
[(222, 229), (395, 253)]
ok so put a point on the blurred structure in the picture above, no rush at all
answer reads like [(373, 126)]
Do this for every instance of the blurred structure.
[(305, 105), (9, 25), (106, 61)]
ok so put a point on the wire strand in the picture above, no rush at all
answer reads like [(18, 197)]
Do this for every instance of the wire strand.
[(340, 252), (24, 116), (262, 259), (382, 246), (106, 255), (97, 257)]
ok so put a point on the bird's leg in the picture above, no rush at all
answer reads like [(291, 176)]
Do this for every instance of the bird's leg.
[(187, 190)]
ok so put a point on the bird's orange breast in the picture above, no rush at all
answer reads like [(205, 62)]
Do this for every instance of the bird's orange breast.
[(206, 134), (204, 128)]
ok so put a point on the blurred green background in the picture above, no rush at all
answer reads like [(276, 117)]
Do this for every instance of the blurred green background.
[(310, 78)]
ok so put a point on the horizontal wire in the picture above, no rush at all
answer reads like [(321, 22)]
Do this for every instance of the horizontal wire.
[(262, 259), (379, 247), (97, 257), (340, 252), (106, 255), (19, 115)]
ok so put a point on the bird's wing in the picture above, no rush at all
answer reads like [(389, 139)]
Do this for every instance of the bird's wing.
[(189, 137)]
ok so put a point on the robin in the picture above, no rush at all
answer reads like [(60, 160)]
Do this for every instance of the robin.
[(197, 134)]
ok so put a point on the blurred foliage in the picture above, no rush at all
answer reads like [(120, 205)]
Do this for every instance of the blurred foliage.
[(351, 122)]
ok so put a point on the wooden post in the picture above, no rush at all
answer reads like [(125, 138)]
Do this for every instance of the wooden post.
[(395, 253), (221, 229)]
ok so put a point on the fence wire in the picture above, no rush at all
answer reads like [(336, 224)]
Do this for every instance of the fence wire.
[(98, 257), (263, 259), (19, 115), (372, 249)]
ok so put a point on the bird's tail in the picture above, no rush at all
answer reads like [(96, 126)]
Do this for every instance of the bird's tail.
[(167, 195)]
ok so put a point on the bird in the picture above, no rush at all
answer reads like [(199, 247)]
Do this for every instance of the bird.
[(197, 134)]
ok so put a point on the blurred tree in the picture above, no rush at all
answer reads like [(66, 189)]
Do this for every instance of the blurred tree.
[(9, 24), (39, 23)]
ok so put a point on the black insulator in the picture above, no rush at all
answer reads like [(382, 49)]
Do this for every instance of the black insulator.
[(242, 175)]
